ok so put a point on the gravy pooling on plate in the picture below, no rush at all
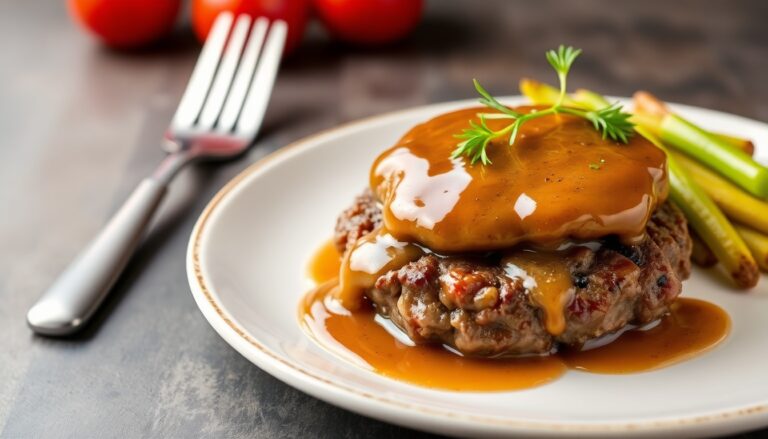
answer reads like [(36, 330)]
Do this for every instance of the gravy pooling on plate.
[(692, 327)]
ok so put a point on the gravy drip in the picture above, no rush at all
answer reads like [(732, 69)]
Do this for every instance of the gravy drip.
[(546, 276), (371, 256)]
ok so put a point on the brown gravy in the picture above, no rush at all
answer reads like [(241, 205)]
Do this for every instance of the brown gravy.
[(560, 180), (694, 326)]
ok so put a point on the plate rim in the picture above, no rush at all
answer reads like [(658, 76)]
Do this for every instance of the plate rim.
[(410, 414)]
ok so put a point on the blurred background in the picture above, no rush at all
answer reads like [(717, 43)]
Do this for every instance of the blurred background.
[(86, 93)]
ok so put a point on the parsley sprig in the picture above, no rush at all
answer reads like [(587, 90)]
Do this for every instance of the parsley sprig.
[(611, 121)]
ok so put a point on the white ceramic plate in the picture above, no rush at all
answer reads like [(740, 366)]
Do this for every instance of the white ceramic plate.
[(247, 269)]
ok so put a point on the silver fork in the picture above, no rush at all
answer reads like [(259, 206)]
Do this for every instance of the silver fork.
[(218, 117)]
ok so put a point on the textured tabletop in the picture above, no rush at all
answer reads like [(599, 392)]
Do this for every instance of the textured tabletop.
[(80, 127)]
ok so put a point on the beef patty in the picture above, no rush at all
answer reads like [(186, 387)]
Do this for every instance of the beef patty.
[(470, 303)]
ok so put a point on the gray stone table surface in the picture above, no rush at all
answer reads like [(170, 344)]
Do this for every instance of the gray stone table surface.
[(79, 126)]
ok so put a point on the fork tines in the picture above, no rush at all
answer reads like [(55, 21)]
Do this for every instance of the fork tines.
[(232, 80)]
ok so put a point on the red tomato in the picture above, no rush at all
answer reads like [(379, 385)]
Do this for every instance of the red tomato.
[(369, 22), (293, 12), (126, 23)]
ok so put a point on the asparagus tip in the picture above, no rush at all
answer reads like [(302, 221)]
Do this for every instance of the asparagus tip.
[(746, 274), (650, 104)]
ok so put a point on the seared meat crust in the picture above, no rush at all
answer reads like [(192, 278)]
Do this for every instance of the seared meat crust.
[(471, 304)]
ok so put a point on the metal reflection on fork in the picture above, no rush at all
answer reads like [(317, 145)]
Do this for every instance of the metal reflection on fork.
[(218, 117)]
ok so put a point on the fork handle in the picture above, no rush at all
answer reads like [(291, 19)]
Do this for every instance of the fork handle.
[(68, 304)]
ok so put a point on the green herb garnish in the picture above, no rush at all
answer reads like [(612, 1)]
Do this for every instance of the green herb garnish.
[(611, 121)]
